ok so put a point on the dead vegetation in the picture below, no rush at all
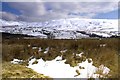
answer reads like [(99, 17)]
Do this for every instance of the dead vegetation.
[(102, 51), (19, 71)]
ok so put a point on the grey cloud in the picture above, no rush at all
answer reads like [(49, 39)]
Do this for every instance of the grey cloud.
[(29, 8), (8, 16), (40, 11)]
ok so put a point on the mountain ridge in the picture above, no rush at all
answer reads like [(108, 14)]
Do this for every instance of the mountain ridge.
[(73, 28)]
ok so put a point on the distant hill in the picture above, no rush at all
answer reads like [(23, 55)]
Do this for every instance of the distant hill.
[(73, 28)]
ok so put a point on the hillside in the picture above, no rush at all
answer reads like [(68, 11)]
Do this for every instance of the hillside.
[(73, 28)]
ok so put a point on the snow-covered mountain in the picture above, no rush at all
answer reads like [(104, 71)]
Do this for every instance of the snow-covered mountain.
[(73, 28)]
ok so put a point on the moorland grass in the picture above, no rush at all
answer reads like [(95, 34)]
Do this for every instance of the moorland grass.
[(102, 51)]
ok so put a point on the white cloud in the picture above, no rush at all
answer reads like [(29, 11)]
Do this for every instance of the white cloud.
[(37, 11), (8, 16)]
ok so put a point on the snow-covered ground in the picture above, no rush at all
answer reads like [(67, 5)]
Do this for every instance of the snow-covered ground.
[(58, 69), (63, 28)]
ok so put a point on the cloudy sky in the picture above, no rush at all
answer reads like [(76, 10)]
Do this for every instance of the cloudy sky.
[(41, 11)]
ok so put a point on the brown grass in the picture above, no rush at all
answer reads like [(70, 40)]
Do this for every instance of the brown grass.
[(19, 71), (107, 55)]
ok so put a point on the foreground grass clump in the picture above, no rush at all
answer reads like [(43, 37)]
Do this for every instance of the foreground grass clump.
[(19, 71)]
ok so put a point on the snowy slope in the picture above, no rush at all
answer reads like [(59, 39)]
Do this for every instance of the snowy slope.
[(9, 23), (73, 28)]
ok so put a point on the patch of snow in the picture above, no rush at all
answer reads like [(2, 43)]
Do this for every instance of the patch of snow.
[(63, 51), (46, 50), (102, 45), (104, 69), (16, 61), (88, 71), (29, 45), (80, 54), (102, 34), (31, 60), (58, 69), (58, 58), (34, 47), (40, 49)]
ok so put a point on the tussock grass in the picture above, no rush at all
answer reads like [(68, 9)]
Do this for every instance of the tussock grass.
[(102, 51), (19, 71)]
